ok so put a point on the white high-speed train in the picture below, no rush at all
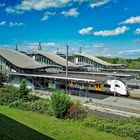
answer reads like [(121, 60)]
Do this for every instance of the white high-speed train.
[(118, 87), (109, 86)]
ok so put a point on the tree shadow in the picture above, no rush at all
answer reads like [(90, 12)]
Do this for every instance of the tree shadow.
[(13, 130)]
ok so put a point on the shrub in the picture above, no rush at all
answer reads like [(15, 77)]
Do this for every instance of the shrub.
[(125, 128), (2, 78), (91, 121), (40, 106), (76, 111), (20, 104), (23, 90), (8, 89), (6, 98), (32, 98), (8, 94), (60, 103)]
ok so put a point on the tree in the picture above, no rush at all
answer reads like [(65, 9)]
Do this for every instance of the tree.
[(2, 78), (23, 88), (60, 103)]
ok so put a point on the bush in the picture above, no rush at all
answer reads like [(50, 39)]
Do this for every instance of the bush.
[(20, 104), (125, 128), (8, 94), (40, 106), (60, 103), (2, 78), (32, 98), (76, 111), (23, 90), (8, 89)]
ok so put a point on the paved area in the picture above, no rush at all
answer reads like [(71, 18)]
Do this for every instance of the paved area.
[(135, 93), (120, 103), (106, 103)]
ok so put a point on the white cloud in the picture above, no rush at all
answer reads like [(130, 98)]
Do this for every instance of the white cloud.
[(98, 3), (137, 31), (47, 46), (51, 44), (72, 12), (130, 51), (27, 5), (117, 31), (95, 3), (13, 24), (2, 23), (40, 4), (86, 31), (43, 44), (12, 10), (47, 15), (98, 49), (131, 20), (2, 5), (98, 45)]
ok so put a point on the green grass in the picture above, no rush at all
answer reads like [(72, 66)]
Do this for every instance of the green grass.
[(17, 124)]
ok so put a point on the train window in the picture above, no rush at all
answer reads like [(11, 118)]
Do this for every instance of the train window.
[(106, 85), (117, 85), (91, 85), (133, 86)]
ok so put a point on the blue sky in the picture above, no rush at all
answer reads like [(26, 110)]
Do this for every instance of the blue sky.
[(100, 27)]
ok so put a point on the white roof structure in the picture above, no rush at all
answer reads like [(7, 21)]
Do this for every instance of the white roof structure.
[(54, 77), (19, 59), (56, 58), (97, 59)]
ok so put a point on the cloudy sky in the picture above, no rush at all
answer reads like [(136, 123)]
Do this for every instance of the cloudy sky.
[(100, 27)]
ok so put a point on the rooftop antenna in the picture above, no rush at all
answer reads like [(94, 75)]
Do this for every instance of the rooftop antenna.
[(16, 47), (39, 47), (80, 49), (67, 51), (57, 52)]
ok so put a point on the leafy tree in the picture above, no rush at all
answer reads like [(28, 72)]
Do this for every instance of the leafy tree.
[(60, 103), (2, 78), (130, 63), (23, 90)]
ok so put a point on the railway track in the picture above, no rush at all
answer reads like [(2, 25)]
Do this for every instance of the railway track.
[(103, 94)]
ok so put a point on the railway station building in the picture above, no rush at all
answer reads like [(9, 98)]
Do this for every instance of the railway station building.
[(47, 58), (45, 70), (15, 61), (91, 62)]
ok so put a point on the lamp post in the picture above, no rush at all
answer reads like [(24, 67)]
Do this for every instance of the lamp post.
[(67, 48), (114, 85)]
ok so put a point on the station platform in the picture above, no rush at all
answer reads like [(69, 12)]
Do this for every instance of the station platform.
[(109, 104), (135, 93), (121, 106)]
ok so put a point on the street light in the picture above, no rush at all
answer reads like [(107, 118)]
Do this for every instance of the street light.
[(114, 85), (67, 47)]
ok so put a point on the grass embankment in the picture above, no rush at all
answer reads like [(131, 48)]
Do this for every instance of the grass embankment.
[(17, 124)]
